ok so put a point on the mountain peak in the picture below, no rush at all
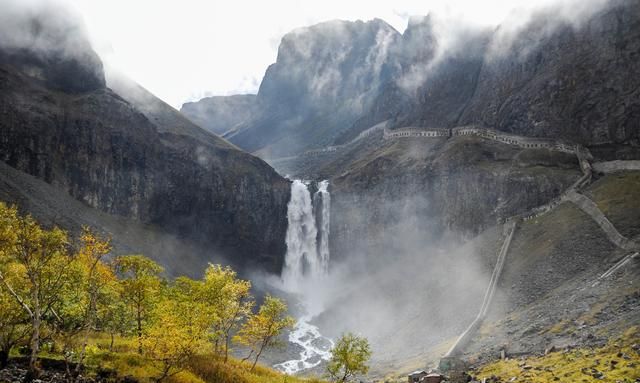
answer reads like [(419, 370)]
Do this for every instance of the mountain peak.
[(50, 44)]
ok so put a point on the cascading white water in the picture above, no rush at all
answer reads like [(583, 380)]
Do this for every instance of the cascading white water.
[(301, 257), (316, 347), (307, 235), (306, 263), (322, 207)]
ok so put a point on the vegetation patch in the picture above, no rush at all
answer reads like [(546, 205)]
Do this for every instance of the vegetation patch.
[(617, 361), (94, 313), (618, 197)]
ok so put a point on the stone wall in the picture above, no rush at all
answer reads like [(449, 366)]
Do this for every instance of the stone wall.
[(416, 132), (616, 166), (490, 134), (589, 207)]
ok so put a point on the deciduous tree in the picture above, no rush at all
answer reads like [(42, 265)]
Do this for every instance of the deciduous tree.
[(97, 278), (261, 330), (179, 330), (41, 258), (140, 287), (231, 300), (14, 322), (350, 356)]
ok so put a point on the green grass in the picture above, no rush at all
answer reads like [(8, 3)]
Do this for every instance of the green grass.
[(618, 197), (616, 361), (206, 368)]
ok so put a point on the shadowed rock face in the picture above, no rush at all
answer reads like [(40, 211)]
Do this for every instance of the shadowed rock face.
[(435, 81), (550, 77), (129, 154), (580, 83), (325, 77), (462, 185), (49, 45)]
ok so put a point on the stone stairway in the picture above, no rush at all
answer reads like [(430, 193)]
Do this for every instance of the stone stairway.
[(589, 207), (467, 335)]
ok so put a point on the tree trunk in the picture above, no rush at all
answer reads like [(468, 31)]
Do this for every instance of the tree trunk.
[(88, 326), (226, 348), (257, 357), (34, 343), (247, 357), (4, 358), (111, 344), (139, 320)]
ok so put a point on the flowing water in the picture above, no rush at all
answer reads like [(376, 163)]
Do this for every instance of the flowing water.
[(307, 264), (322, 208), (316, 347)]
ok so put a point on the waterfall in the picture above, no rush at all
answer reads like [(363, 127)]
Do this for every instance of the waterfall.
[(305, 264), (307, 234), (322, 209)]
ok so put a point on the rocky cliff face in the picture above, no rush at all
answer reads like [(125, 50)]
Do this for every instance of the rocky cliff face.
[(436, 80), (554, 79), (460, 186), (128, 154), (554, 76), (221, 114), (325, 76)]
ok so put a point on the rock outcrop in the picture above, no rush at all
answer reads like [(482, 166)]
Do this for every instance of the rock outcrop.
[(126, 153), (556, 79), (324, 78), (572, 77), (554, 76)]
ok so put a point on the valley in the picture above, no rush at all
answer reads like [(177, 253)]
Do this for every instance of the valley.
[(465, 198)]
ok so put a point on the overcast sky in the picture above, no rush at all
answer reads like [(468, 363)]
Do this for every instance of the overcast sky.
[(185, 50)]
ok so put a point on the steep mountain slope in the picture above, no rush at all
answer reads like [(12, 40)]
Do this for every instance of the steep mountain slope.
[(325, 76), (570, 74), (220, 114), (557, 292), (131, 155), (554, 79), (554, 76), (437, 77), (53, 206)]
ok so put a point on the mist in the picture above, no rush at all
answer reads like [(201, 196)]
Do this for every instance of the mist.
[(406, 285), (403, 281)]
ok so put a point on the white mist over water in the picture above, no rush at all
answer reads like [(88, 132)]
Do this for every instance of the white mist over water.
[(322, 208), (307, 255), (306, 267)]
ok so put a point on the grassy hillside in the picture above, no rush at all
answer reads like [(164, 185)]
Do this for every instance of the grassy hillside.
[(617, 361), (551, 293), (617, 195), (121, 360)]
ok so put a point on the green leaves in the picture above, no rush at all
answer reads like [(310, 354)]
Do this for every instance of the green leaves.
[(261, 330), (350, 356), (48, 288)]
